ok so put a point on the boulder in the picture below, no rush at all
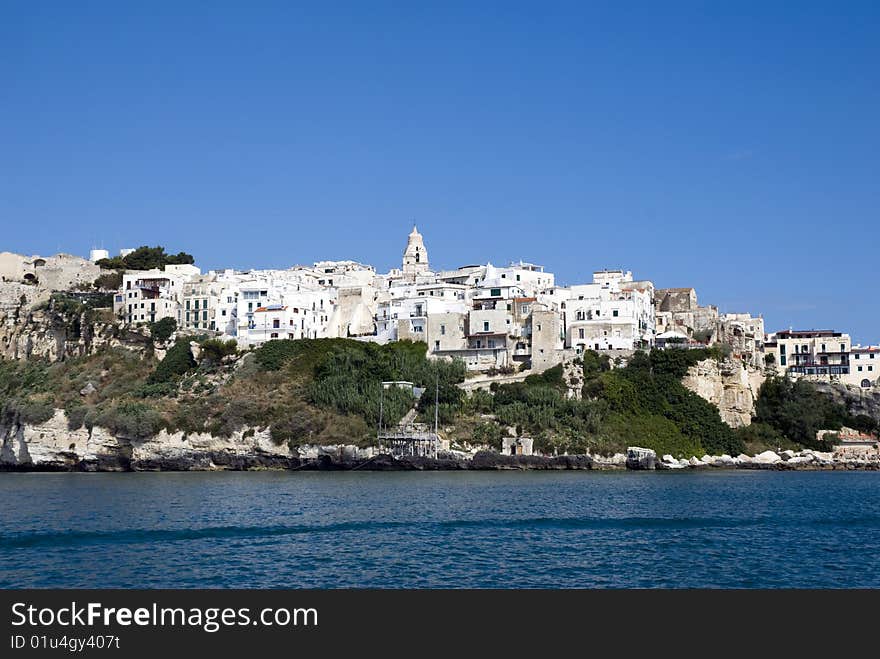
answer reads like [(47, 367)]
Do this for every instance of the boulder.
[(767, 457), (742, 458), (787, 454), (88, 389), (640, 458), (696, 462), (668, 462)]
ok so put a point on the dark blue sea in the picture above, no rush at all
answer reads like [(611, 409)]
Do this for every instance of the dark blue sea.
[(745, 529)]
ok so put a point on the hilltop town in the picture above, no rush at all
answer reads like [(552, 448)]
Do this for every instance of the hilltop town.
[(279, 360), (496, 319)]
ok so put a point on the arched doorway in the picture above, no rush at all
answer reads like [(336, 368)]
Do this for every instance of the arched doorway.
[(866, 384)]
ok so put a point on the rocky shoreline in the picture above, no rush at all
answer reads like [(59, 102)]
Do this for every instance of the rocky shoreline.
[(53, 446)]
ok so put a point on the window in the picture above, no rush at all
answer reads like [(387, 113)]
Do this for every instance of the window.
[(276, 323), (495, 292), (485, 325), (782, 350), (196, 304), (273, 335), (581, 333), (615, 313), (782, 360), (187, 305), (443, 330), (524, 309), (842, 347), (823, 348), (491, 343), (860, 369), (223, 313), (205, 315), (539, 327)]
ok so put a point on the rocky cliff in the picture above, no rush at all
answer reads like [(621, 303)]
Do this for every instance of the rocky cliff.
[(730, 385), (52, 446), (55, 335), (855, 399)]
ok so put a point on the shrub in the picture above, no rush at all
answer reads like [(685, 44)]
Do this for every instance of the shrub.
[(552, 377), (797, 410), (129, 419), (162, 329), (31, 409), (490, 434), (145, 258), (214, 350), (272, 355), (76, 414), (109, 281), (177, 362)]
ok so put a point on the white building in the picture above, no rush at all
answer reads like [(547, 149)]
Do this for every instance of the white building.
[(210, 302), (612, 313), (150, 295)]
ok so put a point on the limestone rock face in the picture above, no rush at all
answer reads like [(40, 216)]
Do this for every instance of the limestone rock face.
[(43, 334), (856, 399), (53, 446), (729, 385)]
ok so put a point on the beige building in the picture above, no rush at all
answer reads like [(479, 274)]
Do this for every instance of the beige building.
[(815, 354), (677, 310), (744, 333), (864, 367)]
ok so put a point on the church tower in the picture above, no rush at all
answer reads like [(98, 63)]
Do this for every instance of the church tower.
[(415, 257)]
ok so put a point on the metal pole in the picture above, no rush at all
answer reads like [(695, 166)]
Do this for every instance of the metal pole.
[(381, 409)]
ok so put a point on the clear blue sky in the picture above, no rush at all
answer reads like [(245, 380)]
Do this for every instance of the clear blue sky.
[(734, 147)]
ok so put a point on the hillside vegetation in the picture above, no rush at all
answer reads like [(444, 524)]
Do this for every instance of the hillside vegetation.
[(329, 391)]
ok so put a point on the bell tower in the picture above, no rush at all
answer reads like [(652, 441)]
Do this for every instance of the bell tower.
[(415, 257)]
